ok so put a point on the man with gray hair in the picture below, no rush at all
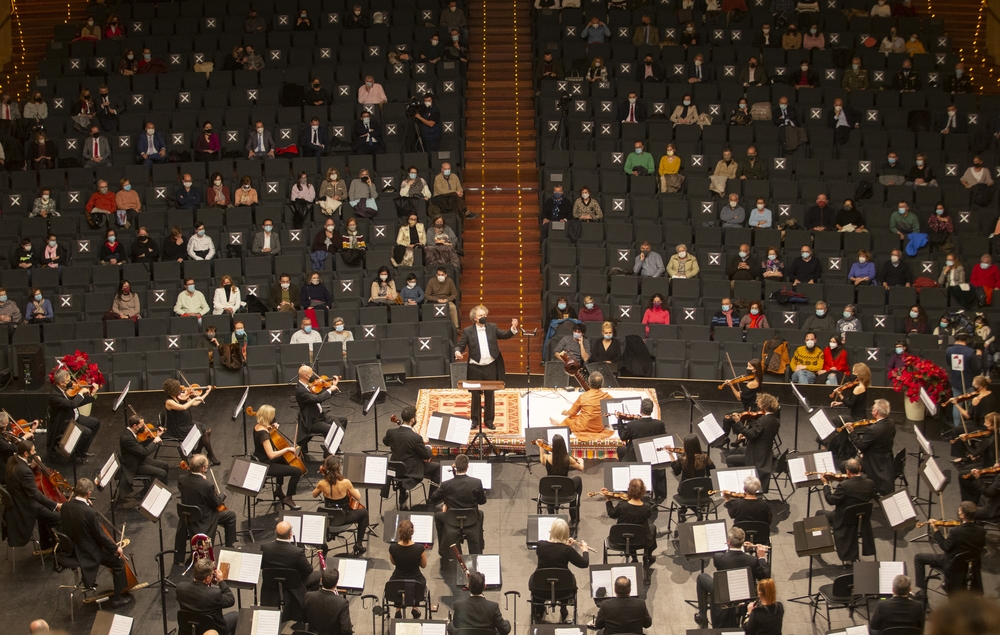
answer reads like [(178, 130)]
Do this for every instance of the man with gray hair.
[(64, 410), (898, 611), (875, 444), (854, 490), (734, 558), (485, 361), (749, 508)]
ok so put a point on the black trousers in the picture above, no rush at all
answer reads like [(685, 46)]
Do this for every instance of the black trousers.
[(280, 471), (482, 373), (117, 566), (47, 521), (88, 430), (227, 520), (449, 535), (920, 563)]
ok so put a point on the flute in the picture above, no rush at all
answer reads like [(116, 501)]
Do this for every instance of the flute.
[(589, 548)]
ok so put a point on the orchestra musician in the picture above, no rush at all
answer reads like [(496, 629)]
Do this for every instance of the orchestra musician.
[(645, 426), (623, 613), (327, 611), (749, 508), (853, 490), (282, 553), (857, 399), (584, 417), (476, 612), (635, 511), (559, 462), (8, 441), (337, 491), (199, 491), (875, 444), (179, 420), (986, 400), (557, 553), (315, 420), (265, 452), (94, 549), (408, 448), (982, 456), (734, 558), (208, 594), (968, 537), (692, 464), (760, 435), (63, 409), (137, 456), (461, 492), (30, 504), (897, 611), (408, 558), (747, 394), (988, 507), (485, 360), (766, 613)]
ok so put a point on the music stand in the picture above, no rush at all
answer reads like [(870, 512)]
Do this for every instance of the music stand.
[(483, 470), (539, 526), (559, 629), (821, 461), (603, 576), (875, 577), (481, 437), (448, 429), (240, 411), (924, 450), (106, 623), (694, 404), (240, 569), (372, 405), (334, 437), (850, 630), (353, 572), (898, 509), (308, 528), (424, 529), (701, 540), (936, 482), (68, 442), (190, 441), (424, 627), (107, 477), (813, 537), (730, 479), (259, 620), (709, 430), (647, 450), (120, 400), (246, 478), (802, 402), (618, 475), (152, 507), (733, 586), (487, 564)]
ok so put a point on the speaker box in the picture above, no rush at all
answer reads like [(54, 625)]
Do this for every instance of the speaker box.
[(556, 377), (369, 378), (610, 381), (459, 372), (31, 365)]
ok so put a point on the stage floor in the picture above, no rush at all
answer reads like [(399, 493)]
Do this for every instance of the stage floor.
[(30, 591)]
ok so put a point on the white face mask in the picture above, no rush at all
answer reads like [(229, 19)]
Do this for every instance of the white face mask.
[(441, 278), (862, 260), (285, 285), (760, 206)]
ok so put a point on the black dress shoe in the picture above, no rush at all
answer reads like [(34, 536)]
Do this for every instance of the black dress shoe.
[(89, 455), (490, 426), (123, 601), (701, 621)]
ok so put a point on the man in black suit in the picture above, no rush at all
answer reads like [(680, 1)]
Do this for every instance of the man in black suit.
[(94, 549), (409, 448), (367, 138), (749, 508), (842, 119), (854, 490), (63, 409), (623, 614), (485, 361), (966, 538), (899, 610), (648, 71), (645, 426), (278, 298), (952, 122), (476, 612), (631, 110), (698, 72), (875, 444), (198, 490), (327, 612), (759, 435), (556, 208), (201, 595), (30, 504), (137, 456), (313, 141), (461, 492), (315, 420), (282, 553), (735, 558)]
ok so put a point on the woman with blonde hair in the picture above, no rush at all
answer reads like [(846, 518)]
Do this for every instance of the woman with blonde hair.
[(265, 452), (765, 614), (669, 169), (332, 193), (227, 297), (557, 552)]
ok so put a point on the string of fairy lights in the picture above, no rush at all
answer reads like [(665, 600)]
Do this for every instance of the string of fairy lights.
[(482, 161), (520, 199), (20, 62)]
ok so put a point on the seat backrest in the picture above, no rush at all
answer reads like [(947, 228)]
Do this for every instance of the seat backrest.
[(689, 488), (460, 517), (898, 464), (288, 578), (862, 511), (757, 531), (188, 514), (629, 534), (191, 623), (557, 486), (411, 592), (65, 551), (544, 581), (843, 585)]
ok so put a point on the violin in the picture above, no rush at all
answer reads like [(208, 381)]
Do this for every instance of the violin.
[(624, 416), (749, 415), (979, 434), (671, 450), (542, 444), (352, 502), (940, 523), (960, 398), (858, 424), (149, 432), (50, 482), (74, 388), (713, 492), (193, 389), (986, 470), (322, 383), (280, 442), (19, 428), (831, 476), (622, 495), (736, 380), (839, 390), (572, 368)]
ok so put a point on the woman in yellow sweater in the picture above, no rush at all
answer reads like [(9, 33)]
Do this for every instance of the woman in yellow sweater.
[(670, 166)]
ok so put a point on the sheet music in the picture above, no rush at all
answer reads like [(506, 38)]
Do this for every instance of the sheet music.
[(254, 480), (602, 578), (334, 438), (266, 623), (489, 566), (620, 478), (922, 440), (739, 586), (190, 441), (824, 462), (352, 573), (934, 475), (545, 526), (156, 500), (643, 472), (375, 467), (797, 469), (469, 385), (710, 428), (120, 625), (715, 537), (559, 431), (630, 405), (72, 438), (898, 508), (434, 426), (628, 572), (108, 471), (434, 629), (313, 530), (886, 572), (296, 523), (821, 424), (732, 480), (567, 631), (932, 408), (407, 628), (423, 528), (240, 566), (483, 471), (458, 430), (857, 630)]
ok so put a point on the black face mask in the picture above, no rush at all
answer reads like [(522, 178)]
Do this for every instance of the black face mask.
[(482, 320)]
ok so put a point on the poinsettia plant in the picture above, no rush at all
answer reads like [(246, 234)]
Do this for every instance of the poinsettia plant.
[(916, 373), (80, 368)]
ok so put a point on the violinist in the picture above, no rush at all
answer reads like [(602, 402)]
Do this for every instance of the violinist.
[(30, 504), (94, 548), (63, 409), (760, 439), (875, 444), (315, 420), (409, 449), (198, 489), (265, 452), (974, 411), (853, 490), (857, 399), (693, 464), (645, 426), (559, 462), (746, 392), (637, 510), (967, 537), (179, 402), (749, 508), (338, 492), (984, 455), (137, 456)]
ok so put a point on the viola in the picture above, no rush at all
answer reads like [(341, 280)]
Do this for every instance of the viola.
[(979, 434), (940, 523), (50, 482), (542, 444), (322, 383), (280, 442), (833, 476), (858, 424), (985, 470), (624, 416), (149, 432), (671, 450), (19, 428), (960, 398), (572, 368), (736, 380), (713, 492), (839, 390), (622, 495), (749, 415), (75, 387)]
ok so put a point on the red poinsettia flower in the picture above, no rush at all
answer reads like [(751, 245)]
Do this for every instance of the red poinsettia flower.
[(917, 373), (80, 368)]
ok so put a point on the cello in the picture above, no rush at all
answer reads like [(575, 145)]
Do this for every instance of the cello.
[(572, 368), (50, 482), (280, 442)]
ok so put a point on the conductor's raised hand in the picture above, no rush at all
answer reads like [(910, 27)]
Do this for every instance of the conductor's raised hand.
[(513, 324)]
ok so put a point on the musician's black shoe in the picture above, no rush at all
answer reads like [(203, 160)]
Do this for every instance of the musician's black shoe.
[(490, 426), (123, 601), (89, 455), (359, 550), (701, 620), (415, 613)]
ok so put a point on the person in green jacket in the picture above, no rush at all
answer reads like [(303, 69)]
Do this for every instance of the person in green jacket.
[(855, 78), (904, 222), (639, 159)]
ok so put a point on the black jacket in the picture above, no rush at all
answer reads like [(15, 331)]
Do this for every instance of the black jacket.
[(147, 251), (359, 140), (757, 510), (640, 111), (328, 614), (638, 429), (733, 272), (817, 216), (966, 537), (789, 117), (875, 444), (408, 448), (471, 339), (200, 598), (310, 404), (896, 611), (28, 501), (294, 293), (200, 492), (852, 491), (134, 452), (736, 559), (564, 212), (81, 523), (284, 555), (478, 612), (805, 271), (61, 411), (760, 441), (461, 492), (623, 615)]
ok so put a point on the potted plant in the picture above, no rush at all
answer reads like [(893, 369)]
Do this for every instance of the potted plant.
[(81, 370), (917, 373)]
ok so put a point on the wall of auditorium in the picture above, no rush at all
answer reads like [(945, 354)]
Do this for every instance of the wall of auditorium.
[(993, 28), (6, 35)]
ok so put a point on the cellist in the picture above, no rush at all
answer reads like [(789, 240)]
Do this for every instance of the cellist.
[(30, 504), (94, 548), (265, 452)]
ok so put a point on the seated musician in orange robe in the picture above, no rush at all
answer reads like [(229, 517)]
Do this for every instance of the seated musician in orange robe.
[(584, 416)]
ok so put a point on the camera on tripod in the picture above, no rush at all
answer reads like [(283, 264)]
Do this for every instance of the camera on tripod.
[(563, 103), (412, 106)]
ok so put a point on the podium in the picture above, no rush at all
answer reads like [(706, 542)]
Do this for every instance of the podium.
[(481, 442)]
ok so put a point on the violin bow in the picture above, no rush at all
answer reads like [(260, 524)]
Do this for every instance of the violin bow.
[(731, 368)]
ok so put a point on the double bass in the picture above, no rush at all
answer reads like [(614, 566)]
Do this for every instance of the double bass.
[(572, 368), (131, 581), (280, 442)]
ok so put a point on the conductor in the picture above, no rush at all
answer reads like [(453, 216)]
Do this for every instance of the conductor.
[(485, 361)]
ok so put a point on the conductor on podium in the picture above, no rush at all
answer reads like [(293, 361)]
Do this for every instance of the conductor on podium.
[(485, 361)]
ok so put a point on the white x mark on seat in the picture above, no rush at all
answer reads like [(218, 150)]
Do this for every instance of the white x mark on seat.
[(426, 15), (624, 311), (963, 217), (74, 63), (374, 51), (879, 76), (618, 205), (706, 207), (252, 94), (124, 142), (285, 133), (272, 187), (235, 238), (338, 132), (175, 59), (577, 90), (295, 235), (252, 289), (624, 255), (831, 73), (605, 106), (689, 314), (697, 160), (872, 354), (815, 113), (333, 18), (100, 62), (71, 144), (347, 286), (369, 331), (83, 246), (571, 31), (65, 300), (137, 26), (210, 23), (605, 129), (386, 181), (425, 343), (779, 163), (780, 71), (15, 200), (553, 126), (58, 103), (729, 71), (439, 310), (678, 69), (109, 346), (624, 68), (784, 210), (714, 259), (736, 36), (670, 33), (933, 77), (173, 341), (391, 129), (623, 31), (926, 266), (275, 337), (880, 321), (177, 138), (449, 87), (199, 58), (618, 158), (344, 90), (449, 126), (973, 118), (74, 196), (942, 41), (232, 135), (789, 317), (864, 167), (834, 264), (380, 231), (939, 59), (587, 126), (714, 109), (159, 295), (327, 54), (950, 169), (564, 279), (872, 115), (835, 38), (718, 34)]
